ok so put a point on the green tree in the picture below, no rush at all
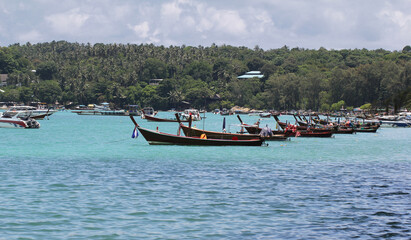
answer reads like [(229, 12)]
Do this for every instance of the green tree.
[(338, 106), (7, 62), (154, 69), (47, 70), (199, 70), (255, 64), (48, 91)]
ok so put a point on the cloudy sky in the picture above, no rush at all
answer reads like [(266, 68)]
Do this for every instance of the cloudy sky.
[(270, 24)]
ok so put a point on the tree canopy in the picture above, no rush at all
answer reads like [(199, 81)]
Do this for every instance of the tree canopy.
[(120, 73)]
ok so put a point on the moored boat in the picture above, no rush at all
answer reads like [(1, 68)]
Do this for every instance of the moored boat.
[(289, 131), (195, 132), (17, 121), (365, 129), (159, 138), (193, 113), (30, 111), (308, 133), (157, 119), (148, 111)]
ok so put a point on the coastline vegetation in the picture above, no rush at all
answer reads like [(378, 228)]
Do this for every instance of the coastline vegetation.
[(74, 73)]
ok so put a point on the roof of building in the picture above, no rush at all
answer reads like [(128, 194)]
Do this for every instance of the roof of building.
[(251, 74)]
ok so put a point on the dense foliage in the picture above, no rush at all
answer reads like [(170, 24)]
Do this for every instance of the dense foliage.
[(205, 76)]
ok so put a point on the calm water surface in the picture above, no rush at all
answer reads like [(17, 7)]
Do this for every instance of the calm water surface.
[(84, 177)]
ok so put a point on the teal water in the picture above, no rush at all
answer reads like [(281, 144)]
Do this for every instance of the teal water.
[(84, 177)]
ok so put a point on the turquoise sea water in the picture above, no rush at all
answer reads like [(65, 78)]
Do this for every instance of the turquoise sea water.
[(84, 177)]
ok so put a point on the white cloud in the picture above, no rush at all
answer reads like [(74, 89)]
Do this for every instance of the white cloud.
[(141, 30), (171, 11), (229, 21), (69, 22), (268, 23), (220, 20), (31, 36), (263, 23), (399, 18)]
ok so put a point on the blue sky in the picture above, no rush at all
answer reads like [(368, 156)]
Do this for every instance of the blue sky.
[(270, 24)]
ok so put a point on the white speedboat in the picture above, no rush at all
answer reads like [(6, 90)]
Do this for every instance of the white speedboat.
[(30, 111), (17, 121)]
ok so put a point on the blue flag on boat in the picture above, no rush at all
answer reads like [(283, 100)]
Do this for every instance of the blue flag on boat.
[(135, 133)]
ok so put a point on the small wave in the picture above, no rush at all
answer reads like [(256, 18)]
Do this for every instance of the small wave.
[(391, 235), (138, 213), (395, 193), (382, 213), (58, 185)]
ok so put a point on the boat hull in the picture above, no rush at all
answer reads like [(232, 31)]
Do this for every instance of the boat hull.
[(12, 124), (309, 134), (18, 123), (157, 138), (156, 119), (366, 130), (193, 132)]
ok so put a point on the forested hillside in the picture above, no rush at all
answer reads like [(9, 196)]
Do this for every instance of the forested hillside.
[(119, 73)]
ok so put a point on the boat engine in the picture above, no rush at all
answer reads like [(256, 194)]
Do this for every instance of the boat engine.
[(31, 123)]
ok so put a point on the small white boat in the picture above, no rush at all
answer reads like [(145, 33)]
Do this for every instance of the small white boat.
[(148, 111), (17, 121), (265, 114), (194, 113)]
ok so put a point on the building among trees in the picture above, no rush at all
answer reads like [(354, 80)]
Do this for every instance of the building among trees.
[(251, 74), (3, 79)]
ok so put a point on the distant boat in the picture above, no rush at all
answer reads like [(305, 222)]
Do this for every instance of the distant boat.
[(157, 119), (159, 138), (33, 112), (288, 132), (194, 132), (365, 129), (194, 113), (225, 111), (103, 109), (148, 111), (265, 115)]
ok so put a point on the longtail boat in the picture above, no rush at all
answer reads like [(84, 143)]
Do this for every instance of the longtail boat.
[(307, 133), (288, 132), (156, 119), (255, 129), (159, 138), (343, 130), (195, 132), (309, 130), (365, 129), (283, 125)]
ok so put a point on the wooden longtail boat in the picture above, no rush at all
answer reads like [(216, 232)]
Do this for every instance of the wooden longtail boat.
[(283, 125), (159, 138), (342, 130), (306, 133), (255, 129), (365, 129), (303, 126), (289, 132), (194, 132), (156, 119)]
